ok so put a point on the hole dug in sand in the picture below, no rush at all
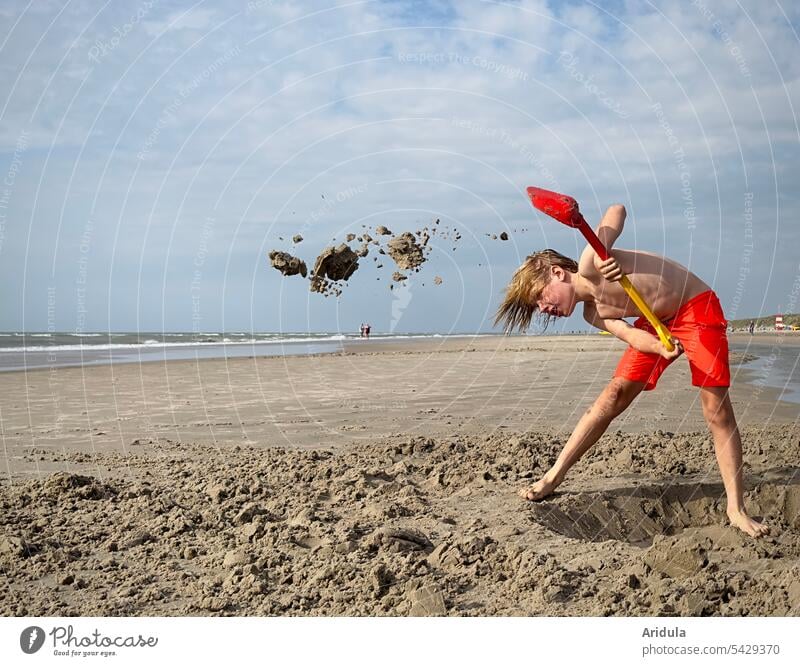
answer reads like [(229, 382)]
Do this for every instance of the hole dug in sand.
[(639, 514)]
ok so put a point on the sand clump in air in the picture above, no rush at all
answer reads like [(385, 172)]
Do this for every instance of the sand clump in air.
[(287, 264), (406, 252), (334, 264)]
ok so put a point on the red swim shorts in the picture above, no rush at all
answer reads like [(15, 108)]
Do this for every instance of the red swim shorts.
[(700, 326)]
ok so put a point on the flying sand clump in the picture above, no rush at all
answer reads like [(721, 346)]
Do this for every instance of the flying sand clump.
[(287, 264), (334, 264), (405, 251)]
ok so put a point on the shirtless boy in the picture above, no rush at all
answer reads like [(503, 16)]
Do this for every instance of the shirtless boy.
[(551, 285)]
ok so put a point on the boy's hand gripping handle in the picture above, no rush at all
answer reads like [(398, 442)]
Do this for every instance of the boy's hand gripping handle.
[(565, 209)]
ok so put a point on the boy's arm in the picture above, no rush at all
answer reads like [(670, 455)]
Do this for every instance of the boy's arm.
[(611, 225), (635, 337), (609, 230)]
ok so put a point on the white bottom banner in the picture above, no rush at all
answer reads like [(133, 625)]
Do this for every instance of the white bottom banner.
[(388, 641)]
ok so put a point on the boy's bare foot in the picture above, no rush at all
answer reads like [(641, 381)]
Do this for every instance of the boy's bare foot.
[(539, 490), (745, 523)]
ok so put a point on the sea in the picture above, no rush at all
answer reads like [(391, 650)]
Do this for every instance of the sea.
[(772, 364), (31, 351)]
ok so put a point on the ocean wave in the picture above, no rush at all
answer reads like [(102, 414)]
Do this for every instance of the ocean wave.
[(151, 343), (155, 344)]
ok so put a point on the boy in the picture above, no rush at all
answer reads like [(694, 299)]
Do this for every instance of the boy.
[(552, 285)]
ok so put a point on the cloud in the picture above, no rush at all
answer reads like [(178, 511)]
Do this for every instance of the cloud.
[(199, 20)]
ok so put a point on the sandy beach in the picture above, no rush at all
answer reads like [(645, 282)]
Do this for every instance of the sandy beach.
[(382, 481)]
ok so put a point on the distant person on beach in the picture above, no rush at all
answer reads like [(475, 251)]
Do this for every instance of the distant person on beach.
[(751, 327), (367, 329), (363, 326), (550, 285)]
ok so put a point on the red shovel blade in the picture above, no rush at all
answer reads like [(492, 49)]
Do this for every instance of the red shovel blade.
[(559, 206), (565, 209)]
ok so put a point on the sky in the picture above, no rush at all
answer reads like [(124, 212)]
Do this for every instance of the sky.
[(152, 153)]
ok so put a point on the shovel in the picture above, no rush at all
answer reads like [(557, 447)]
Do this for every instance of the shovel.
[(565, 209)]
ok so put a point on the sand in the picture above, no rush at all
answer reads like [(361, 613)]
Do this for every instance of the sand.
[(382, 481)]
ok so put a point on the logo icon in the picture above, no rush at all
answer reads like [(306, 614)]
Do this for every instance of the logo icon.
[(31, 639)]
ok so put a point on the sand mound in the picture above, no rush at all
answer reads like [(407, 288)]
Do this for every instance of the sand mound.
[(76, 485), (406, 526)]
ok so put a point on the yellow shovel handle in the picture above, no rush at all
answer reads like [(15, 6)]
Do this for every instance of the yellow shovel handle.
[(663, 333)]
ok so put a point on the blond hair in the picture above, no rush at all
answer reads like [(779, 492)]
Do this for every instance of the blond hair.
[(519, 305)]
